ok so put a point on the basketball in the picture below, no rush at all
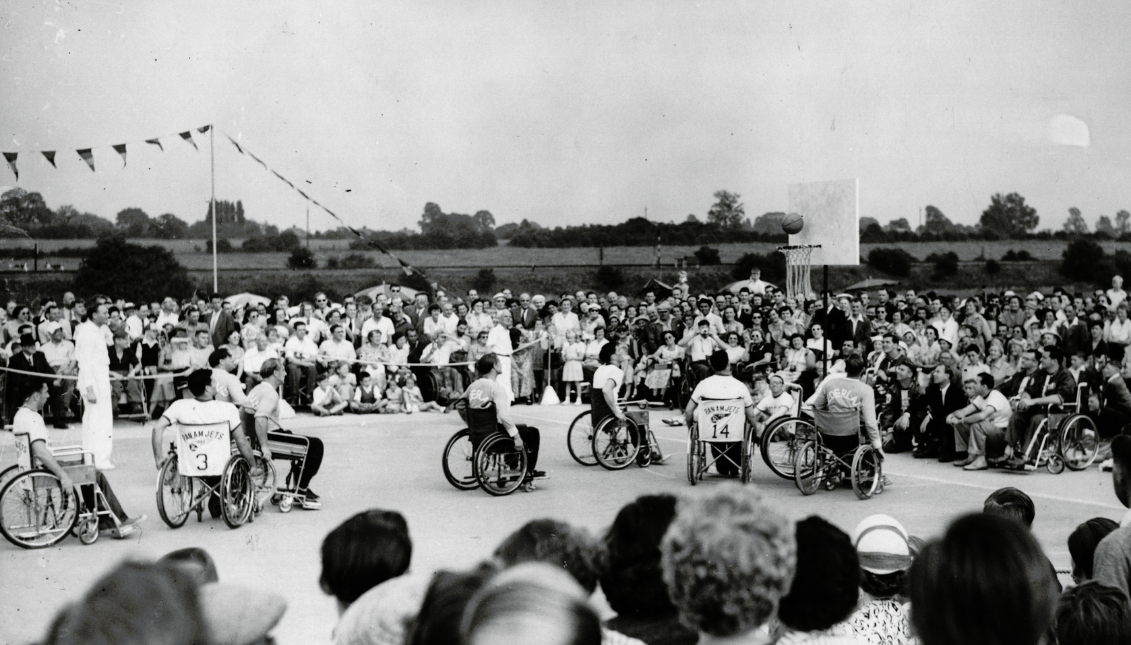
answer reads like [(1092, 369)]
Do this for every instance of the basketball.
[(793, 223)]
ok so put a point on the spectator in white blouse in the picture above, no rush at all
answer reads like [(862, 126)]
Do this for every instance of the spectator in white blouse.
[(1116, 295), (1118, 331)]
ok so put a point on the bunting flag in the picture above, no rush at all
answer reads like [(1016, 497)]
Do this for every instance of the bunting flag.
[(50, 154), (204, 129), (156, 142), (405, 266), (10, 157), (87, 156), (121, 149), (187, 136)]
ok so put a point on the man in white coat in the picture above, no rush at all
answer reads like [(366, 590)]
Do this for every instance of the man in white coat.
[(94, 385), (499, 342)]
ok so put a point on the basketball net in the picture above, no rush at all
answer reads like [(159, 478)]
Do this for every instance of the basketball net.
[(797, 270)]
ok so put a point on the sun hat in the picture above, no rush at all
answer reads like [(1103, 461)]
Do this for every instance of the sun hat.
[(882, 545)]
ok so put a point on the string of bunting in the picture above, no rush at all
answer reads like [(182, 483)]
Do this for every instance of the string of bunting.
[(87, 154), (405, 266)]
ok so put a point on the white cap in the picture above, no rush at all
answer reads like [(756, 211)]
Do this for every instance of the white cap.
[(882, 545)]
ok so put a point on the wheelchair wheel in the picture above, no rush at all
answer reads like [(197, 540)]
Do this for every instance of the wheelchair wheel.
[(8, 474), (616, 443), (747, 456), (459, 461), (499, 468), (867, 472), (237, 492), (286, 503), (579, 440), (88, 530), (1079, 441), (808, 467), (1055, 464), (693, 456), (781, 441), (35, 511), (174, 494)]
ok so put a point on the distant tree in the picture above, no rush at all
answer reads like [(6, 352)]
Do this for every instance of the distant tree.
[(357, 261), (1075, 224), (727, 211), (992, 267), (691, 219), (707, 256), (23, 210), (772, 266), (302, 258), (134, 222), (900, 225), (609, 277), (169, 227), (936, 223), (1009, 216), (1123, 222), (1103, 225), (484, 281), (894, 261), (873, 234), (1081, 260), (223, 246), (131, 271), (1017, 256), (946, 264), (866, 222), (768, 223)]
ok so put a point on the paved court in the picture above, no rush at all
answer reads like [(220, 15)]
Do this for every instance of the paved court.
[(394, 462)]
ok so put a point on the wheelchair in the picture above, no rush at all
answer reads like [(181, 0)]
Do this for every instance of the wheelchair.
[(816, 465), (36, 512), (580, 439), (182, 487), (784, 436), (719, 423), (1065, 437), (265, 477), (483, 456)]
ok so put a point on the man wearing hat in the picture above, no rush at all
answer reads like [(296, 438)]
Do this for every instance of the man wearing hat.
[(885, 553)]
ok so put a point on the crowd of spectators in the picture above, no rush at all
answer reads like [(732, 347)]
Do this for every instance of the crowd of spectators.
[(720, 564)]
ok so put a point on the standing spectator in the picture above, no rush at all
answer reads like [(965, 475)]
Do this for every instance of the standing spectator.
[(220, 322), (1113, 555), (499, 343), (1116, 295), (94, 386)]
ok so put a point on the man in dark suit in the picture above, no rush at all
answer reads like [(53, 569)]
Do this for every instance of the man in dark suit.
[(1074, 333), (523, 313), (859, 328), (28, 359), (221, 324), (936, 437), (1116, 412), (834, 320)]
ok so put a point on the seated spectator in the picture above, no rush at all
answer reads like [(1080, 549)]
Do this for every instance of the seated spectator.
[(1113, 555), (1082, 545), (531, 603), (633, 580), (982, 423), (983, 583), (441, 612), (825, 588), (885, 554), (1092, 614), (326, 401), (412, 399), (728, 559), (363, 552), (367, 397)]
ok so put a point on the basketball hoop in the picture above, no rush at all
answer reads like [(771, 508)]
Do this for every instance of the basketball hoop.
[(797, 270)]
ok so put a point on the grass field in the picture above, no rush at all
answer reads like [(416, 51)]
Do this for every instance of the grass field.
[(196, 260)]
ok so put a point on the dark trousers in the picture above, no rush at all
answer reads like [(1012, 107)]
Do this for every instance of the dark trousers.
[(531, 439), (104, 522), (314, 452), (701, 370), (936, 435), (296, 375), (1111, 422), (1022, 426), (724, 455)]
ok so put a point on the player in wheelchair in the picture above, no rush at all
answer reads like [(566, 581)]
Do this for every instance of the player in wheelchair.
[(494, 466), (730, 454), (837, 452), (38, 506), (1046, 393)]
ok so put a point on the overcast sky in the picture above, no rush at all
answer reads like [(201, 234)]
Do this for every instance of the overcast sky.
[(570, 113)]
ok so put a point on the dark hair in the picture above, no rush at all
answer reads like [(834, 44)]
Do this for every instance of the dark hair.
[(364, 551), (438, 621), (270, 366), (1083, 541), (485, 364), (193, 563), (826, 585), (719, 360), (32, 385), (982, 561), (1054, 352), (1093, 614), (855, 365), (557, 543), (218, 355), (1012, 503), (883, 585), (199, 381), (633, 580), (134, 604), (987, 379), (1121, 452), (605, 355)]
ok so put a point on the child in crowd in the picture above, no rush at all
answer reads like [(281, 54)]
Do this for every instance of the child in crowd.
[(367, 396), (573, 353), (394, 398), (414, 400), (343, 380), (327, 401)]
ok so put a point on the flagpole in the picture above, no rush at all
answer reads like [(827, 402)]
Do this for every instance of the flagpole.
[(212, 207)]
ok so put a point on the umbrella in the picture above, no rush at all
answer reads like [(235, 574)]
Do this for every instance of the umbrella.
[(241, 300), (406, 294), (872, 283), (661, 290)]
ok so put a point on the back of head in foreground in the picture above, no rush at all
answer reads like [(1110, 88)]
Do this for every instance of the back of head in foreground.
[(986, 582), (362, 552), (1011, 503), (1093, 614), (531, 604), (728, 558), (633, 580), (826, 583), (554, 542)]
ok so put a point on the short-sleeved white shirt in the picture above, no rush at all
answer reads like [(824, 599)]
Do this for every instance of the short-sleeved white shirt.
[(607, 373), (228, 387), (721, 388), (774, 405), (28, 423), (1000, 404), (193, 412)]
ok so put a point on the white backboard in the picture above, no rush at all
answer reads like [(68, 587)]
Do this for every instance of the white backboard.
[(832, 219)]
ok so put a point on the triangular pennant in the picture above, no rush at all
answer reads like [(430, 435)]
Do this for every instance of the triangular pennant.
[(50, 154), (10, 157), (187, 136), (204, 129), (157, 143), (87, 156), (121, 149)]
